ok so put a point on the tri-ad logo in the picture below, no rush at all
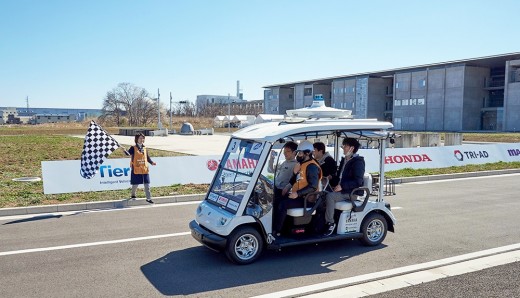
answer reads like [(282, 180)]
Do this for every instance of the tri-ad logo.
[(460, 155), (513, 152)]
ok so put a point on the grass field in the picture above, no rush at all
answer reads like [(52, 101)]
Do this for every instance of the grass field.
[(24, 147), (22, 156)]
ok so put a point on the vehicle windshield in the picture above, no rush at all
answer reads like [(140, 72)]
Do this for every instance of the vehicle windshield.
[(234, 174)]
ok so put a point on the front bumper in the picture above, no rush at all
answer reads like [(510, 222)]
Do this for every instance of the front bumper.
[(207, 238)]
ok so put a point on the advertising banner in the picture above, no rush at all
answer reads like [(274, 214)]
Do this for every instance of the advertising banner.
[(64, 176)]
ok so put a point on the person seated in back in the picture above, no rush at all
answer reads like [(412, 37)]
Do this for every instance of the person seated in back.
[(327, 163), (306, 179), (349, 176)]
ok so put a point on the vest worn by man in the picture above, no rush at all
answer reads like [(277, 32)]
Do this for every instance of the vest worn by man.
[(138, 162), (302, 175)]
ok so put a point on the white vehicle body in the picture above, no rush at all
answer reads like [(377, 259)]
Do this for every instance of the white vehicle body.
[(237, 214)]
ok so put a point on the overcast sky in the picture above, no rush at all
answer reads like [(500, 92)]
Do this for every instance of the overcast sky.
[(69, 53)]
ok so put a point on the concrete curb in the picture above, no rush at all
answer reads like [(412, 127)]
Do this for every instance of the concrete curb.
[(97, 205), (198, 197), (454, 176)]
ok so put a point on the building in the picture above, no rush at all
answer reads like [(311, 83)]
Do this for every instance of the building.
[(6, 114), (213, 105), (45, 115), (203, 100), (463, 95), (53, 118)]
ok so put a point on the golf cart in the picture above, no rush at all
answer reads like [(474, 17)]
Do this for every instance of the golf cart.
[(236, 215)]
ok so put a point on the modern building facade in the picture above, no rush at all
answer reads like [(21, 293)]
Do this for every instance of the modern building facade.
[(464, 95)]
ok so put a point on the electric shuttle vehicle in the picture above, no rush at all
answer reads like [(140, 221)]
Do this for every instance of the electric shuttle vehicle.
[(236, 215)]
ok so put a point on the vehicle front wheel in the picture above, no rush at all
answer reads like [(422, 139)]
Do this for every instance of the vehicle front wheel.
[(244, 246), (374, 229)]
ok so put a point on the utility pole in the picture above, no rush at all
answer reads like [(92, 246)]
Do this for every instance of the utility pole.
[(170, 110), (229, 113), (159, 125)]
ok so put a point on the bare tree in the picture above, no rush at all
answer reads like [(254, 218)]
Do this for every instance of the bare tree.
[(112, 109), (131, 102)]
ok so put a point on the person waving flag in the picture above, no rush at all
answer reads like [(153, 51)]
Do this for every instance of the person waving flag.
[(97, 147)]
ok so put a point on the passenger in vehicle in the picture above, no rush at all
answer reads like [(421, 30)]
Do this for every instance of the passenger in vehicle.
[(349, 177), (306, 178), (327, 163), (284, 171)]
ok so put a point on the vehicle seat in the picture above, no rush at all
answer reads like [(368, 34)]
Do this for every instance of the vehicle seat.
[(355, 199), (296, 212)]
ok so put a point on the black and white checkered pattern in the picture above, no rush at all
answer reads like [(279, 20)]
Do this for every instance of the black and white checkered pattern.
[(98, 146)]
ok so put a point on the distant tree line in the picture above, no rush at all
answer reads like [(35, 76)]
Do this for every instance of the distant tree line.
[(130, 105)]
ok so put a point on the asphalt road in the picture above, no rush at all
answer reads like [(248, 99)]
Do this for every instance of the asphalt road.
[(115, 253)]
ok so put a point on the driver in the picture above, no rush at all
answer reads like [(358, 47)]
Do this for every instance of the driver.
[(306, 178), (284, 171)]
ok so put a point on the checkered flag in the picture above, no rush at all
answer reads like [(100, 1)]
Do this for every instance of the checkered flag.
[(98, 146)]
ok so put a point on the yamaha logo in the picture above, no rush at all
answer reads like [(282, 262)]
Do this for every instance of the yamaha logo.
[(212, 164)]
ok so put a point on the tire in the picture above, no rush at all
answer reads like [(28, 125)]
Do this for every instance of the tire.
[(245, 245), (374, 229)]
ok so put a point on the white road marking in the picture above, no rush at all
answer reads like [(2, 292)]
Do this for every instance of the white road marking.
[(414, 274), (462, 179), (24, 216), (24, 251)]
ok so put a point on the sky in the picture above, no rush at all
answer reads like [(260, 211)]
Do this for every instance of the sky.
[(70, 53)]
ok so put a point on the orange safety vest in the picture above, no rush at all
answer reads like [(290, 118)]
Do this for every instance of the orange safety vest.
[(139, 161), (301, 181)]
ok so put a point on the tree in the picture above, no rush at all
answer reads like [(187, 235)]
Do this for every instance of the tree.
[(131, 102)]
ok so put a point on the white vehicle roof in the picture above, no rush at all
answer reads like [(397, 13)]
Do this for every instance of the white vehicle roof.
[(272, 131)]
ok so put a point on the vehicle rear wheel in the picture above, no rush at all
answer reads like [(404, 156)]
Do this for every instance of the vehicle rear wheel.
[(374, 229), (244, 246)]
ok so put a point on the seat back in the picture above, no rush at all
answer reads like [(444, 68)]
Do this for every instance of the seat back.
[(324, 183), (367, 181), (355, 203)]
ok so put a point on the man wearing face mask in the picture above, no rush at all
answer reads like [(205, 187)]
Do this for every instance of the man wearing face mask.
[(349, 176), (306, 178)]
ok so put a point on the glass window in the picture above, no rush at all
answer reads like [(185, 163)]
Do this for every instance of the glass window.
[(397, 123), (397, 103), (404, 102), (420, 101), (234, 174), (307, 91)]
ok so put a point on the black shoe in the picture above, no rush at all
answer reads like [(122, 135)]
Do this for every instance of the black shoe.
[(133, 197), (330, 229), (149, 201)]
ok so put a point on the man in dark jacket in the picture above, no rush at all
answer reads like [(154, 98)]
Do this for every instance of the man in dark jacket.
[(350, 176), (327, 163)]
